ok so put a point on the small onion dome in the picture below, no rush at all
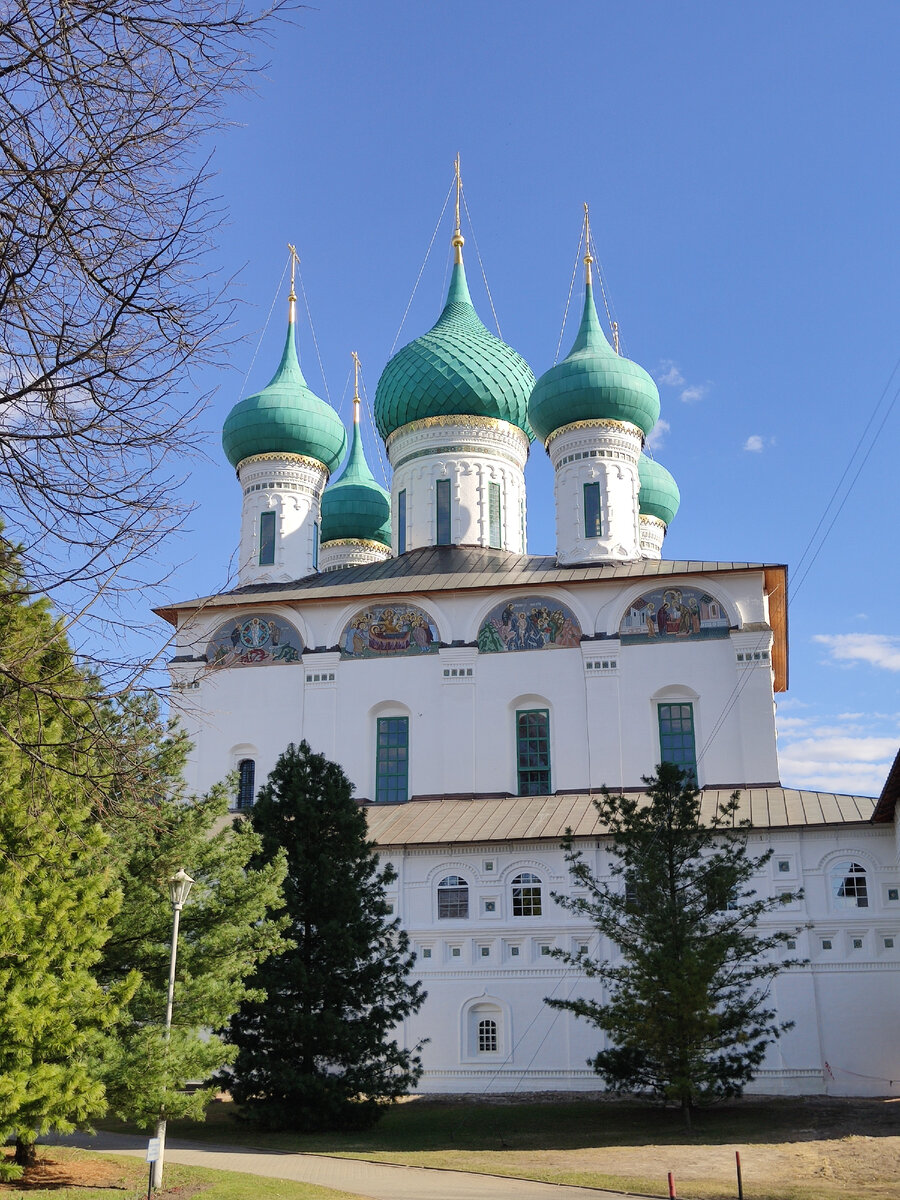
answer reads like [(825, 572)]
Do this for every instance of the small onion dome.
[(593, 383), (285, 418), (659, 495), (458, 368), (355, 506)]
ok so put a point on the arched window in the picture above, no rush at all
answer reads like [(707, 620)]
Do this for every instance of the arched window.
[(533, 751), (452, 897), (246, 783), (849, 886), (487, 1036), (526, 895)]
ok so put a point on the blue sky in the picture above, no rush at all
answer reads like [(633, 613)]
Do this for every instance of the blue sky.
[(741, 166)]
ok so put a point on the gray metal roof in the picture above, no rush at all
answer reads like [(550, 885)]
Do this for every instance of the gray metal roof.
[(443, 568), (523, 818)]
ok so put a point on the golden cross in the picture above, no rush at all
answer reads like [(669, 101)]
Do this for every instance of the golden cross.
[(355, 387), (458, 239)]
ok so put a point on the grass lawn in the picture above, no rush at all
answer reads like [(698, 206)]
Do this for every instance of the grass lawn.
[(797, 1149), (67, 1174)]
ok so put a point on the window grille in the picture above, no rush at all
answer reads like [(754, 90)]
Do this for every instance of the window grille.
[(452, 898), (392, 761), (533, 752), (526, 895)]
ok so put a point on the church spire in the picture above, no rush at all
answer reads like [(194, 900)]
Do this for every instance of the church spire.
[(458, 240)]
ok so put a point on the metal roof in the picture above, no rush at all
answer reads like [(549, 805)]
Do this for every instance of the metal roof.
[(525, 818), (890, 794)]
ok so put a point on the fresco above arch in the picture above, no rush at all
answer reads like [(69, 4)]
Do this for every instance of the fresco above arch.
[(533, 623), (255, 640), (673, 614), (389, 629)]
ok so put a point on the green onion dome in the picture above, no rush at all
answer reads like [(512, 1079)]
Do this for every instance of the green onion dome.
[(285, 418), (458, 368), (659, 495), (592, 383), (355, 506)]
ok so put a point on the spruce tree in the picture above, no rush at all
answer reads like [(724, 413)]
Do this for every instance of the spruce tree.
[(320, 1051), (687, 1014)]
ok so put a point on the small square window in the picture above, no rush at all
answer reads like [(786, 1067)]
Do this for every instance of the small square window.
[(488, 864), (514, 951), (791, 943), (545, 950), (888, 943), (784, 864), (826, 943), (893, 893), (857, 943), (426, 953), (389, 908), (490, 906), (582, 949), (485, 951), (786, 897), (455, 952)]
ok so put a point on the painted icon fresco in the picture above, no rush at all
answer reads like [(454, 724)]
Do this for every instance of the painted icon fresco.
[(674, 614), (386, 629), (534, 623), (254, 641)]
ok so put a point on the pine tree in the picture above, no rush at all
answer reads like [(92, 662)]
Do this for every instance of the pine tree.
[(319, 1052), (58, 884), (687, 1015), (226, 928)]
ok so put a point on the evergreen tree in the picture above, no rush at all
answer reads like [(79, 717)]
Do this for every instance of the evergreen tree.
[(58, 884), (687, 1016), (319, 1053), (226, 928)]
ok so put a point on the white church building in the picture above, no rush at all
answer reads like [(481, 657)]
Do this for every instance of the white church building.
[(477, 696)]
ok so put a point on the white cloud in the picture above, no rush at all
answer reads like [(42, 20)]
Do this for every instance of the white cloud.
[(657, 434), (755, 443), (877, 649), (854, 765), (668, 374), (695, 392)]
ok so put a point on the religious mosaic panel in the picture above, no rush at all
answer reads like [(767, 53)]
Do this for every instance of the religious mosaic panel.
[(386, 629), (673, 614), (534, 623), (254, 641)]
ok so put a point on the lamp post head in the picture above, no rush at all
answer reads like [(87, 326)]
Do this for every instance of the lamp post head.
[(179, 887)]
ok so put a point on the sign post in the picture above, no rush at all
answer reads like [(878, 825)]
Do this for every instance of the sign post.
[(153, 1148)]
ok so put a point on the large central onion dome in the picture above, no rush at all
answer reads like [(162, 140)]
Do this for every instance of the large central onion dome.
[(659, 495), (458, 368), (593, 383), (286, 417), (355, 507)]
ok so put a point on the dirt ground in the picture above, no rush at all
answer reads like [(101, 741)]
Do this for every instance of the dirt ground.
[(56, 1170)]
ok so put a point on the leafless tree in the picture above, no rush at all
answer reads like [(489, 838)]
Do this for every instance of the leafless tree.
[(107, 307)]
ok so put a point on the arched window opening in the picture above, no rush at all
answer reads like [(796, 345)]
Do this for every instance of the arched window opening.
[(849, 885), (533, 751), (452, 898), (487, 1037), (246, 783), (526, 895)]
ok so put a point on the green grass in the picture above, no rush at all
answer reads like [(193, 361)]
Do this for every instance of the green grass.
[(196, 1183)]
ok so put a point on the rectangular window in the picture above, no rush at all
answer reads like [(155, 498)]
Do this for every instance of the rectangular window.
[(523, 548), (266, 539), (315, 545), (495, 538), (392, 760), (442, 498), (401, 521), (533, 751), (676, 736), (592, 526)]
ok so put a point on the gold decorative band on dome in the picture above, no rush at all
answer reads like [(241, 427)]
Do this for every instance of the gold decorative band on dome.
[(605, 423), (362, 543), (467, 422), (302, 460), (649, 519)]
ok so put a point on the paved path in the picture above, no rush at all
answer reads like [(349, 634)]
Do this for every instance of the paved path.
[(381, 1181)]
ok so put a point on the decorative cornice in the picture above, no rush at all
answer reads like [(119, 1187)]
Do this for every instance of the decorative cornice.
[(302, 460), (649, 519), (620, 426), (362, 543), (463, 421)]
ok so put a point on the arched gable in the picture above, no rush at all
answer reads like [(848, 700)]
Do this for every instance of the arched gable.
[(531, 622), (255, 639), (671, 613), (389, 630)]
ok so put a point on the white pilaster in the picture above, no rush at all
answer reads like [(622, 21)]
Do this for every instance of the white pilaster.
[(291, 486)]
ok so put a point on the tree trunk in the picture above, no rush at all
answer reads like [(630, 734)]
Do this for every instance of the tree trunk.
[(686, 1113), (26, 1153)]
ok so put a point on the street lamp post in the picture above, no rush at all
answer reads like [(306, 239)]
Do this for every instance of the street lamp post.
[(179, 887)]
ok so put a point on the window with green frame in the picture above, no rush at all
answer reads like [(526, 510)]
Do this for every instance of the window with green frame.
[(401, 521), (442, 500), (495, 522), (533, 751), (392, 760), (593, 527), (676, 736), (315, 545), (266, 539)]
